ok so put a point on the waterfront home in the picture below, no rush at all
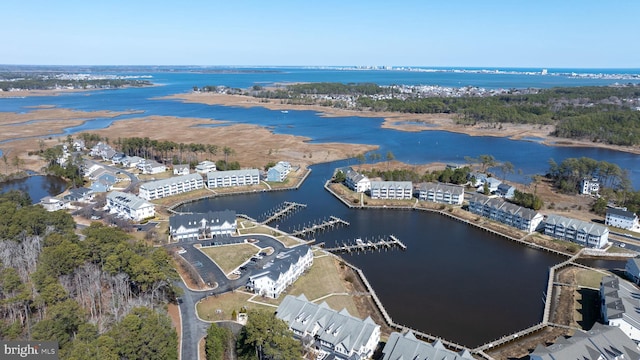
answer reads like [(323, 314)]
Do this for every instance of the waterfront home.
[(228, 178), (589, 186), (632, 270), (279, 172), (284, 271), (181, 169), (356, 181), (619, 304), (81, 194), (581, 232), (129, 206), (440, 193), (506, 191), (492, 184), (202, 225), (396, 190), (408, 347), (602, 342), (337, 333), (171, 186), (621, 218), (52, 204), (205, 167), (505, 212), (477, 179)]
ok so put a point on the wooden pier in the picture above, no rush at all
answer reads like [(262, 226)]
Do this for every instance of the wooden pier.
[(283, 210), (332, 222), (364, 245)]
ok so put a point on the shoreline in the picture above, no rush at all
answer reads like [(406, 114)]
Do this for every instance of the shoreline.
[(407, 122)]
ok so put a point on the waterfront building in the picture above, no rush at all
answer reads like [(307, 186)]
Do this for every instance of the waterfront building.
[(621, 218), (408, 347), (581, 232), (589, 186), (602, 342), (82, 194), (51, 203), (632, 270), (181, 169), (492, 183), (397, 190), (202, 225), (228, 178), (171, 186), (334, 332), (356, 181), (506, 191), (477, 179), (505, 212), (129, 206), (205, 167), (620, 301), (440, 193), (279, 172), (284, 271)]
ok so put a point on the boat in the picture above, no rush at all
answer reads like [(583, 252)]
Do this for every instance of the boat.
[(284, 111)]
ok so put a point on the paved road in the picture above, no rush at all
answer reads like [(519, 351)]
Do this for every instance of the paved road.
[(193, 329)]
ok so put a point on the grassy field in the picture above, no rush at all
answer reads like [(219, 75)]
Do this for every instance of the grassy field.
[(229, 257), (588, 278), (221, 307)]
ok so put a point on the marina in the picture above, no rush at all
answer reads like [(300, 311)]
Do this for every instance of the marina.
[(369, 245), (319, 225)]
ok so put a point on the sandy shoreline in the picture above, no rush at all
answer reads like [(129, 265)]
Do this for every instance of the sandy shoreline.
[(409, 122)]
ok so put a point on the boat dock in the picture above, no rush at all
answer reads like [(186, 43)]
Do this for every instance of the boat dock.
[(282, 210), (363, 245), (320, 225)]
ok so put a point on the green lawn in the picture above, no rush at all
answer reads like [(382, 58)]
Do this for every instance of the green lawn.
[(322, 279), (229, 257), (221, 307), (589, 278)]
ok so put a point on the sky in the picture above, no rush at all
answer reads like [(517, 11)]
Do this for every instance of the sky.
[(463, 33)]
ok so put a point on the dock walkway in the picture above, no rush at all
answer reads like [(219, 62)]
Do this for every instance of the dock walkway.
[(286, 208), (319, 226), (361, 245)]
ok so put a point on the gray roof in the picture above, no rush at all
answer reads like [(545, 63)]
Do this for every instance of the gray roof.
[(440, 187), (392, 184), (334, 327), (243, 172), (130, 200), (621, 213), (498, 203), (195, 220), (283, 262), (568, 223), (601, 342), (407, 347), (172, 180), (352, 176), (621, 299), (181, 166)]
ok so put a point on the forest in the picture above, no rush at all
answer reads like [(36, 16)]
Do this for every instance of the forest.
[(102, 296), (47, 81), (606, 114)]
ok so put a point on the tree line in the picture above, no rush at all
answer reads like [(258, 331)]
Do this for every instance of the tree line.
[(49, 84), (102, 297)]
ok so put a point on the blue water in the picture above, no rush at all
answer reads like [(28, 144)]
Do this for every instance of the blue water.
[(528, 157)]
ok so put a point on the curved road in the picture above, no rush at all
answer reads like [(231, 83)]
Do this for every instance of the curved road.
[(193, 328)]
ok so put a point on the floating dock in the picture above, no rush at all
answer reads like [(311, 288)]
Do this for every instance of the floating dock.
[(284, 209), (360, 245), (319, 226)]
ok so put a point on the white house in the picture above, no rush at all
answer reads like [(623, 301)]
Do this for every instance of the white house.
[(356, 181), (205, 167), (621, 218), (129, 206), (285, 270), (202, 225), (233, 178), (602, 342), (131, 161), (581, 232), (507, 213), (152, 167), (397, 190), (181, 169), (51, 203), (492, 184), (620, 300), (408, 347), (589, 186), (171, 186), (506, 191), (336, 333), (440, 193)]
